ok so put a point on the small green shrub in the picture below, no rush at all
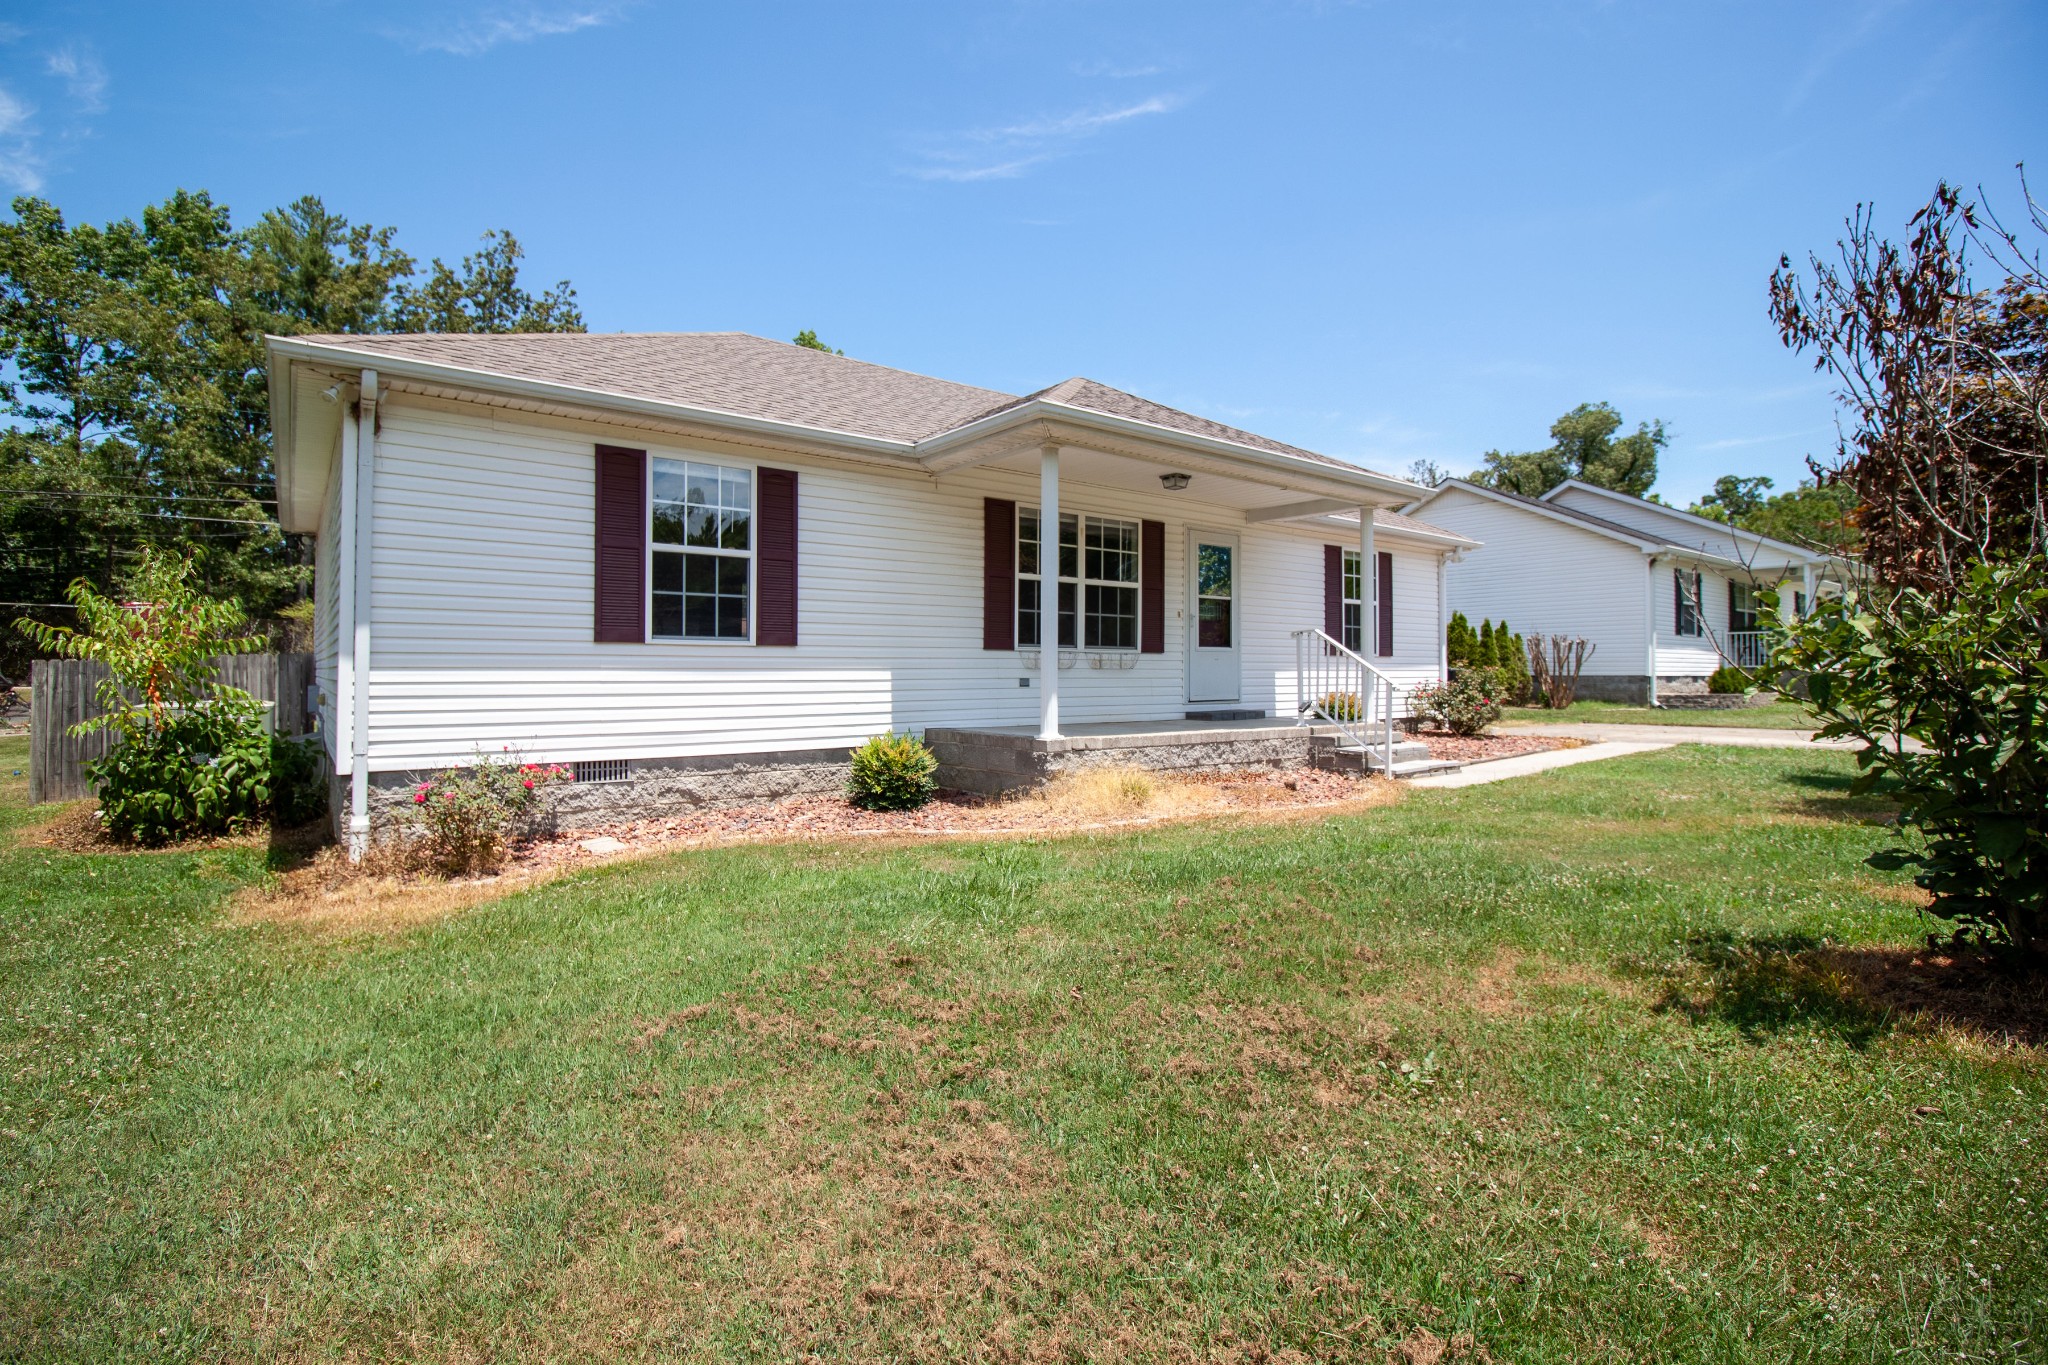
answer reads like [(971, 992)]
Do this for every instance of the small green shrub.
[(298, 779), (1341, 706), (892, 772), (1466, 705), (1729, 679), (463, 819), (202, 770), (1965, 672)]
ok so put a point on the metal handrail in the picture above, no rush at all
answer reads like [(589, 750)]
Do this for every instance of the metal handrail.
[(1338, 687)]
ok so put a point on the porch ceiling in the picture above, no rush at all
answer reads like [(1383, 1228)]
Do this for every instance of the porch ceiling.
[(1089, 458)]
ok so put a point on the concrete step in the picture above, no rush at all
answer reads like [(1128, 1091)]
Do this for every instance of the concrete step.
[(1349, 758), (1424, 767)]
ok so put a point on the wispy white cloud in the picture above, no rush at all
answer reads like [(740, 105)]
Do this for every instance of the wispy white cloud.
[(20, 166), (1115, 72), (1006, 151), (83, 77), (497, 25), (10, 33), (1738, 442)]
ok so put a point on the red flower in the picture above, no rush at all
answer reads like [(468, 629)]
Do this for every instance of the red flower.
[(419, 798), (528, 784)]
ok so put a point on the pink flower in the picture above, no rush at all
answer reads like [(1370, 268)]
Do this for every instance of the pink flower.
[(528, 784), (419, 798)]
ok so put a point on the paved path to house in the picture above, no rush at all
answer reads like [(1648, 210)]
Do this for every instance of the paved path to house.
[(1521, 765), (1742, 737)]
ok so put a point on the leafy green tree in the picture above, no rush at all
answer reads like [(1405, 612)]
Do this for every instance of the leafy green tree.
[(1733, 498), (809, 340), (314, 271), (132, 381), (485, 296), (1584, 447)]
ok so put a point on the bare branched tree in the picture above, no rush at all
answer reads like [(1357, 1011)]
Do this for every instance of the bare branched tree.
[(1945, 386)]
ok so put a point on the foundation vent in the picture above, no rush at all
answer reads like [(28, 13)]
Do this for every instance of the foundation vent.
[(604, 770)]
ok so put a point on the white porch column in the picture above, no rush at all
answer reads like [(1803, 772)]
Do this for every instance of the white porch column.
[(1049, 592), (1806, 584), (1368, 588), (1443, 618)]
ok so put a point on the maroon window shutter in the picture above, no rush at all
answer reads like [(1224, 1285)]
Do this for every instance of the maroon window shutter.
[(621, 564), (1333, 592), (998, 573), (775, 557), (1385, 570), (1151, 587)]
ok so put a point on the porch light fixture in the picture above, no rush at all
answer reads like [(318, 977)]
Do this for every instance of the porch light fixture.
[(1173, 483)]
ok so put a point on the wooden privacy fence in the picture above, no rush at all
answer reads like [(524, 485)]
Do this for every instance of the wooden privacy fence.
[(62, 694)]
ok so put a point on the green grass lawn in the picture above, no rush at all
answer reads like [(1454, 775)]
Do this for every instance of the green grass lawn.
[(1548, 1069), (1778, 715)]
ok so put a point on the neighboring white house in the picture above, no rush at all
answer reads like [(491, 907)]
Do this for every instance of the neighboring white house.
[(1666, 597), (678, 559)]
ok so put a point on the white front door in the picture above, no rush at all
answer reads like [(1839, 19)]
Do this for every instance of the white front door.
[(1214, 629)]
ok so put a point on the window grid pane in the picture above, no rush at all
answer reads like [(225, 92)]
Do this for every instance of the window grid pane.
[(1108, 550), (703, 529)]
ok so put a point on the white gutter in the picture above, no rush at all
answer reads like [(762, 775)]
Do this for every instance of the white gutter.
[(364, 480)]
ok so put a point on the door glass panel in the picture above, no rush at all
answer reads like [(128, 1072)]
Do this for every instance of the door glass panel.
[(1213, 628), (1212, 596)]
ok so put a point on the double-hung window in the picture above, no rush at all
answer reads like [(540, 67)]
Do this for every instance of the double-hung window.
[(1741, 608), (1685, 604), (703, 551), (1354, 604), (1098, 582)]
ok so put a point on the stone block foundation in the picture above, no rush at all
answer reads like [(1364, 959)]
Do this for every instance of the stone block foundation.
[(996, 762)]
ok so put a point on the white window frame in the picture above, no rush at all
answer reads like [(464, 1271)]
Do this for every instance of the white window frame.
[(1081, 583), (1698, 583), (753, 472), (1353, 593)]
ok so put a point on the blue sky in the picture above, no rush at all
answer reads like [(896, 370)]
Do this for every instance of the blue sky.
[(1385, 231)]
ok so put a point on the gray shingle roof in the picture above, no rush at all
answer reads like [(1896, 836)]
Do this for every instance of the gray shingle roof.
[(1573, 514), (750, 376), (733, 372)]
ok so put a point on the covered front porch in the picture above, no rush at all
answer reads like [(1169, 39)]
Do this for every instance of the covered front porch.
[(1000, 759)]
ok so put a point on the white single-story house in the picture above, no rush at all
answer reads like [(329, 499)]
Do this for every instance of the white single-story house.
[(1665, 597), (703, 566)]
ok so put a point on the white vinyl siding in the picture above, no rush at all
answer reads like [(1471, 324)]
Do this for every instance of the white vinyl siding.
[(482, 602), (1545, 576), (1690, 656)]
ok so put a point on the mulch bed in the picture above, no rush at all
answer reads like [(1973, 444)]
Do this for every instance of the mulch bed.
[(832, 816), (1480, 748)]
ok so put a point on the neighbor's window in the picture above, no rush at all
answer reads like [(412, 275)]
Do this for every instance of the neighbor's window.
[(1098, 572), (1685, 586), (1741, 607), (703, 547), (1354, 604)]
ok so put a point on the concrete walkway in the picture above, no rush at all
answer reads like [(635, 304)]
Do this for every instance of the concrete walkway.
[(1521, 765), (1741, 736)]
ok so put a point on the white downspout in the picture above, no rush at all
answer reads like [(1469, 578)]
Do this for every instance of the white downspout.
[(1650, 621), (1049, 592), (341, 744), (359, 736), (1443, 617)]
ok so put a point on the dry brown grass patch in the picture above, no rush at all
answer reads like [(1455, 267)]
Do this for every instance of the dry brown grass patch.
[(381, 895)]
